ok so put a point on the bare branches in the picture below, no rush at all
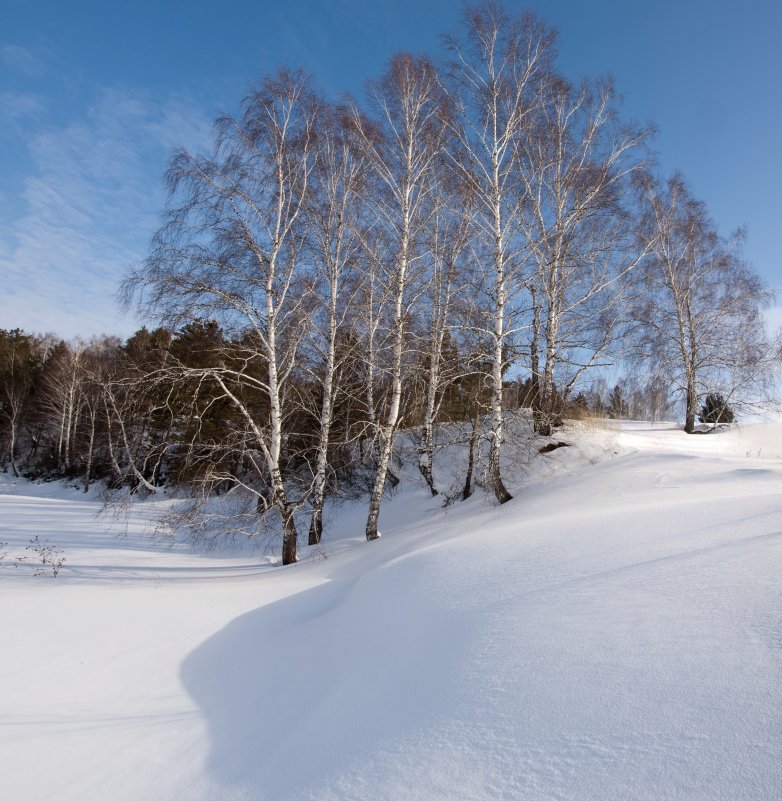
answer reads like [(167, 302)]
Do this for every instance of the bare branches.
[(463, 239), (698, 308), (577, 164), (497, 70)]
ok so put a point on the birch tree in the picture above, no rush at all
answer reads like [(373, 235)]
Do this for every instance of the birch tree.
[(400, 145), (334, 223), (698, 309), (61, 398), (21, 358), (576, 168), (447, 241), (497, 69), (229, 250), (99, 358)]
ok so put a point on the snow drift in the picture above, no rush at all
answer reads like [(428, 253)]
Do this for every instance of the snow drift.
[(613, 632)]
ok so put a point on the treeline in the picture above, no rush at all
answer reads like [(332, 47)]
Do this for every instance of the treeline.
[(333, 272), (104, 410)]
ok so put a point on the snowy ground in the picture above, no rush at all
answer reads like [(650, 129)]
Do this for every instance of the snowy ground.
[(614, 632)]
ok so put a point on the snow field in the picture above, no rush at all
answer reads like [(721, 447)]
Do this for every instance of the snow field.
[(614, 632)]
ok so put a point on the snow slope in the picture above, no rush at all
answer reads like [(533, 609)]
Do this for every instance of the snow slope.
[(614, 632)]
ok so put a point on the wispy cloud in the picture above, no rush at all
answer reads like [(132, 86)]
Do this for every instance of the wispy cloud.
[(88, 210), (18, 105), (21, 59)]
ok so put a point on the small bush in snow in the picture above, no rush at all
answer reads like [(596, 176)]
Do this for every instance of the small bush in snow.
[(47, 560), (716, 410)]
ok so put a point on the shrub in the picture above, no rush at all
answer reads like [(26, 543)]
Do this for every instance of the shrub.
[(716, 410)]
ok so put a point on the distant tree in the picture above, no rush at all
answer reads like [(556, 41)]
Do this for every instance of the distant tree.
[(60, 398), (715, 409), (100, 358), (21, 360), (578, 404), (617, 405), (657, 400), (698, 306)]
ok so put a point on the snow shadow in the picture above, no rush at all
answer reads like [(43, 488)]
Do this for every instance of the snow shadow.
[(311, 688)]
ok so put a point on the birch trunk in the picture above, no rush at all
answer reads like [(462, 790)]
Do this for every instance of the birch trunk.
[(372, 324), (402, 153), (12, 447), (274, 449), (388, 428), (692, 406), (93, 421), (319, 491), (426, 448), (476, 421), (548, 390), (495, 441), (436, 338)]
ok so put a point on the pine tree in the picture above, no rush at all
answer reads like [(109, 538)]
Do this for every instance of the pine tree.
[(715, 409), (617, 406)]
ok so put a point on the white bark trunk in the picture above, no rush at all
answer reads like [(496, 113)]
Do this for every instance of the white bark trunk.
[(388, 428), (326, 410), (495, 442)]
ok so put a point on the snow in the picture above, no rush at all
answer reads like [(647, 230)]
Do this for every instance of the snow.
[(614, 632)]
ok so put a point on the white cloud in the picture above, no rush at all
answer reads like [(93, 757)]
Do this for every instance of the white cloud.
[(88, 211), (19, 105), (21, 59)]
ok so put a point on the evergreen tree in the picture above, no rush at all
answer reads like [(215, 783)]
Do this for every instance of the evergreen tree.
[(617, 405), (715, 409)]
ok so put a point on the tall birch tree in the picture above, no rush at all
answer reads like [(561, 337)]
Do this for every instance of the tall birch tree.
[(447, 243), (333, 217), (576, 168), (698, 309), (401, 144), (229, 250), (497, 68)]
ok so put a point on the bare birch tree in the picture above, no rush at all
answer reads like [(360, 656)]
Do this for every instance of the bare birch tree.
[(497, 69), (61, 398), (576, 166), (229, 250), (447, 242), (333, 216), (699, 306), (99, 358), (21, 358), (400, 145)]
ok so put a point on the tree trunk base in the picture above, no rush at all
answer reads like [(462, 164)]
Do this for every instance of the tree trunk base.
[(289, 539), (316, 527), (500, 491)]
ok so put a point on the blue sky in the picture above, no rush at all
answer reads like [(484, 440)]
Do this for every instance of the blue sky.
[(93, 95)]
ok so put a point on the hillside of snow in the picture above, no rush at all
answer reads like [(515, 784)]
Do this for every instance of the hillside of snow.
[(612, 633)]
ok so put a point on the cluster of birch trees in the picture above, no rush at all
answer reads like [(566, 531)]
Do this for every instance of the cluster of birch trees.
[(477, 234)]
